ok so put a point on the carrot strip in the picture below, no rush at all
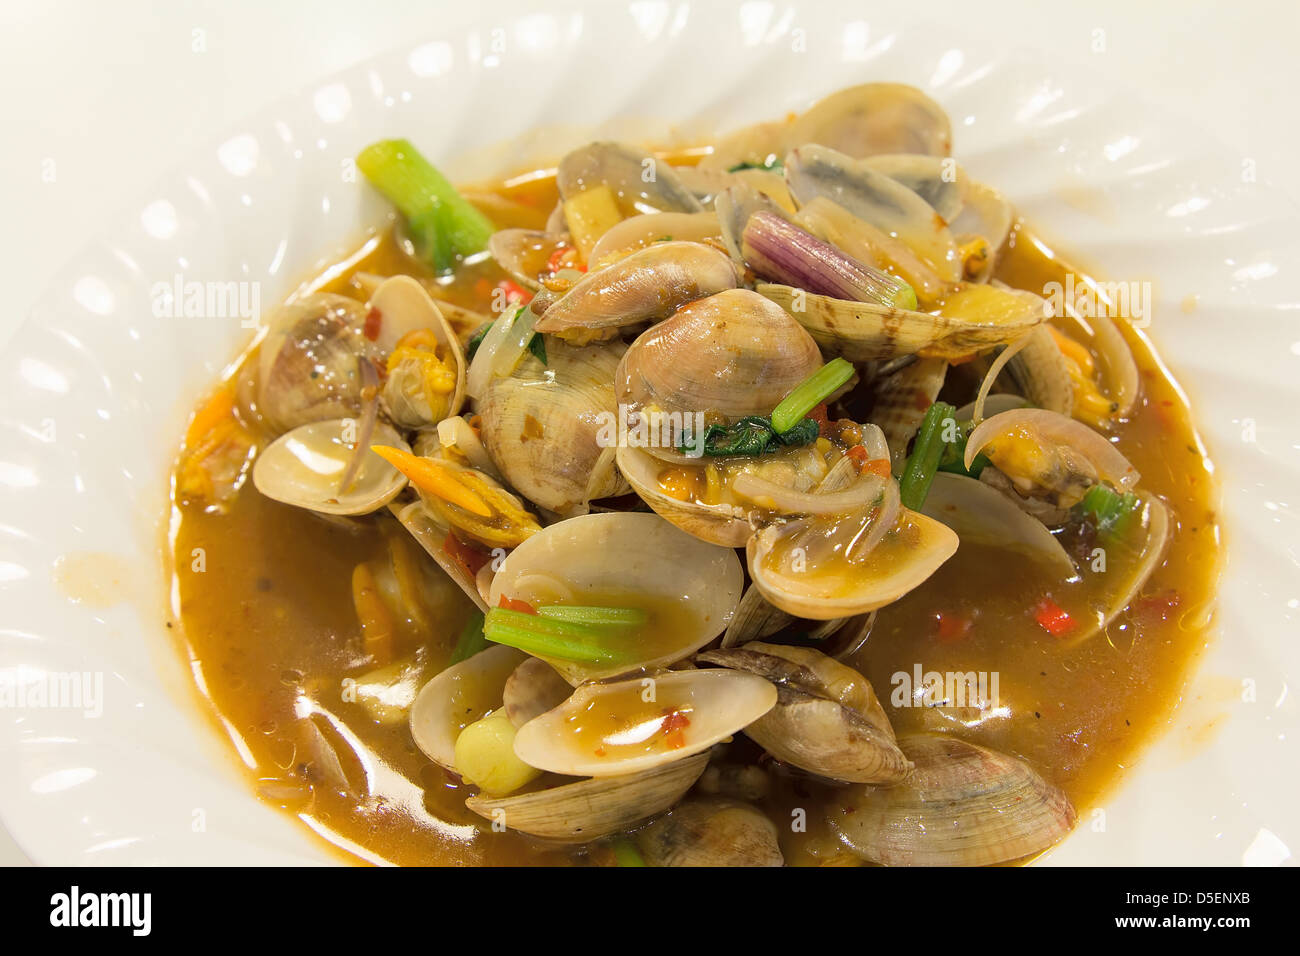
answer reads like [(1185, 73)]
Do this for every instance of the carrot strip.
[(433, 477)]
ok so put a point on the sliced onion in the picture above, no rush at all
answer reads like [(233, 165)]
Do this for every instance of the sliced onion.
[(456, 433), (878, 527), (1051, 426), (999, 363), (768, 494)]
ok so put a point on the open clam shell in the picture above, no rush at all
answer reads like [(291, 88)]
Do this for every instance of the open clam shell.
[(606, 730), (403, 307), (962, 805), (875, 118), (984, 515), (458, 696), (688, 588), (798, 566), (304, 467)]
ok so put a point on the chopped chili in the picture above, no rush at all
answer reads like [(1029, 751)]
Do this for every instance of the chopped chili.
[(468, 556), (510, 604), (374, 320), (1053, 618)]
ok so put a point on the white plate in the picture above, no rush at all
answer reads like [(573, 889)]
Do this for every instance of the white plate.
[(95, 389)]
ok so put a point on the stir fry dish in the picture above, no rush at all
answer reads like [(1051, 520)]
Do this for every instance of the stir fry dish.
[(741, 503)]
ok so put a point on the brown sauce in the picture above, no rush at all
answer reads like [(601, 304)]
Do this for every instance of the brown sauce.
[(271, 630)]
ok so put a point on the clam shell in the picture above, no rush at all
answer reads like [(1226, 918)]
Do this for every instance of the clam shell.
[(542, 425), (908, 554), (458, 696), (624, 551), (303, 467), (983, 515), (711, 832), (901, 401), (972, 319), (723, 524), (637, 232), (533, 688), (623, 169), (816, 171), (875, 118), (827, 719), (963, 805), (404, 307), (591, 809), (733, 353), (606, 730), (937, 180), (643, 287)]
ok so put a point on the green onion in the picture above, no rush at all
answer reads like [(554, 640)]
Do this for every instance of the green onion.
[(771, 164), (954, 454), (922, 464), (440, 219), (626, 853), (549, 637), (810, 393), (471, 640), (582, 614), (1108, 509)]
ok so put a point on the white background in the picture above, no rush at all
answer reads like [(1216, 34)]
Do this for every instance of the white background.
[(99, 99)]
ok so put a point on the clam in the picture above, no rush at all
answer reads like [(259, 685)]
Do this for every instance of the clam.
[(816, 171), (590, 809), (526, 253), (832, 566), (983, 515), (937, 180), (875, 118), (456, 698), (306, 467), (827, 719), (643, 287), (756, 145), (962, 805), (639, 181), (307, 367), (969, 319), (711, 832), (611, 729), (1049, 457), (731, 354), (982, 226), (426, 365), (1040, 374), (543, 426), (638, 232), (688, 589)]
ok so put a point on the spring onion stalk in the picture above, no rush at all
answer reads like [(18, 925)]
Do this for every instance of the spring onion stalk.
[(954, 454), (1108, 509), (471, 640), (810, 393), (927, 450), (626, 853), (549, 637), (439, 218), (581, 614)]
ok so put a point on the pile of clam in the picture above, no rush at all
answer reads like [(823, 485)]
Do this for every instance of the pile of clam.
[(708, 293)]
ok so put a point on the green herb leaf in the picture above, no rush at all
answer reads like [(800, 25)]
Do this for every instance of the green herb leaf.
[(772, 164), (471, 639), (537, 345)]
